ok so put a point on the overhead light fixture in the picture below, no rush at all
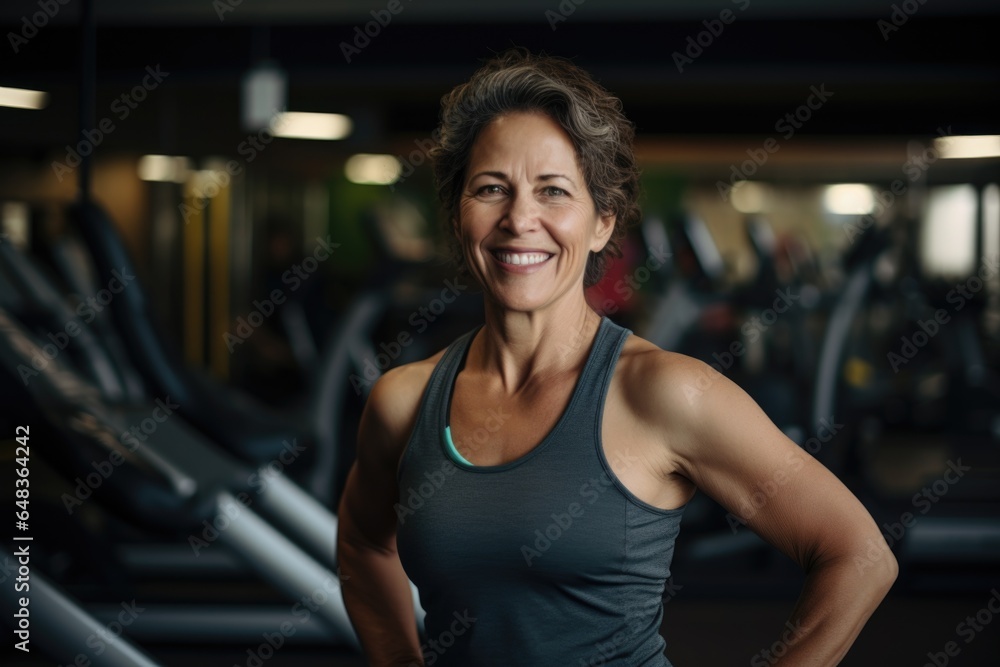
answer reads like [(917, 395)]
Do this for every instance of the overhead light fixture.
[(304, 125), (207, 183), (849, 199), (22, 98), (948, 231), (991, 229), (749, 197), (164, 168), (15, 222), (265, 91), (968, 146), (372, 169)]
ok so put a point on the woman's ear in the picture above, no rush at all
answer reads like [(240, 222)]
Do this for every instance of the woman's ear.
[(605, 226)]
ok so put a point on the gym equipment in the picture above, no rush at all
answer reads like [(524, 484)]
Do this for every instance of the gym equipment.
[(694, 271), (327, 426), (169, 479), (780, 333), (173, 480), (60, 625), (243, 428), (694, 312), (903, 363)]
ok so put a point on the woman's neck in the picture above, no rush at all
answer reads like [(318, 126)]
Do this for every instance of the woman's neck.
[(523, 346)]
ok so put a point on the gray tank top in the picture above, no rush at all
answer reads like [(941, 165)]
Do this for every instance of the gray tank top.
[(545, 560)]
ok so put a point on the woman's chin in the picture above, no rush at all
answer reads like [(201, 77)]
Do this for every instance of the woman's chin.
[(517, 300)]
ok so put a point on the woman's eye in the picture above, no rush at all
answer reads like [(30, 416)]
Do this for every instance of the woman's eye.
[(553, 190), (490, 190)]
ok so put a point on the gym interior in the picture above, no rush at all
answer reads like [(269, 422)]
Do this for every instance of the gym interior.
[(219, 227)]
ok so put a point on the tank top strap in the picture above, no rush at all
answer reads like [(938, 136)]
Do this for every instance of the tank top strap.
[(592, 387), (443, 376), (424, 442)]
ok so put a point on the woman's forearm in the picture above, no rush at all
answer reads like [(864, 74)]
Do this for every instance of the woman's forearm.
[(837, 600), (380, 605)]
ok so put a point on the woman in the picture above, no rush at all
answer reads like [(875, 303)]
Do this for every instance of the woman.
[(548, 539)]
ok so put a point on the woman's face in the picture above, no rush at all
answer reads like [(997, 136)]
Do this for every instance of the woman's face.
[(527, 222)]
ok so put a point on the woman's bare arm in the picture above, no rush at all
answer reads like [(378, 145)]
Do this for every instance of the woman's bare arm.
[(720, 439), (376, 589)]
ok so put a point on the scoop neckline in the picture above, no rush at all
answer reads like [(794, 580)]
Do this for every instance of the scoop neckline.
[(445, 416)]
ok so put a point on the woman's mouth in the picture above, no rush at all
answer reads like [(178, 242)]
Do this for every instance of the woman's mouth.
[(520, 259)]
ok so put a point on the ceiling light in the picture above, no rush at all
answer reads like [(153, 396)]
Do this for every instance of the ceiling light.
[(165, 168), (22, 98), (849, 199), (969, 146), (371, 169), (302, 125), (749, 197)]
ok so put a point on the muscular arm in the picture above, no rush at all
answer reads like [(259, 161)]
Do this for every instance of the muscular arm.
[(376, 589), (722, 441)]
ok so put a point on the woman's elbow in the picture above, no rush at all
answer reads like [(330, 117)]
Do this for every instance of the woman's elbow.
[(873, 563)]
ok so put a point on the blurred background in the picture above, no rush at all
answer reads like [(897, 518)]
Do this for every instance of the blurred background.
[(219, 227)]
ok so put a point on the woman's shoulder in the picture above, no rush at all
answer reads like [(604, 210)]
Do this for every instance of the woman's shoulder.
[(395, 396), (664, 386)]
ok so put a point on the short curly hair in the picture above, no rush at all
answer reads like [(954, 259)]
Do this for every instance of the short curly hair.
[(602, 136)]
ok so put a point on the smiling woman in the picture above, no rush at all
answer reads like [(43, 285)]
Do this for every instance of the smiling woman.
[(523, 176), (589, 117), (550, 541)]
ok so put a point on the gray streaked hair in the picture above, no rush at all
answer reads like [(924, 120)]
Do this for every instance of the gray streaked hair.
[(602, 136)]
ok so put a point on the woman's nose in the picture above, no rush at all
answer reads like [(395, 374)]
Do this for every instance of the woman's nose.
[(522, 214)]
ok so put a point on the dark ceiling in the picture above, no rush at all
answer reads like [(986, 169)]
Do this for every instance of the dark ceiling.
[(939, 68)]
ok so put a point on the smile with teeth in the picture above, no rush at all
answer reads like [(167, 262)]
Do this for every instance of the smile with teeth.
[(521, 258)]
